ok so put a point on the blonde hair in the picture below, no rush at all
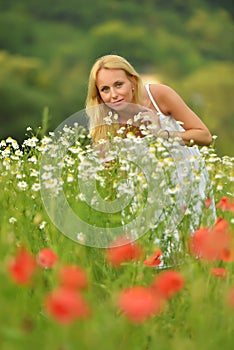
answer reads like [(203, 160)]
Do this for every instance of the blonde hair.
[(98, 129)]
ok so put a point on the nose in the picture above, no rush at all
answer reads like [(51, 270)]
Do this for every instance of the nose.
[(114, 93)]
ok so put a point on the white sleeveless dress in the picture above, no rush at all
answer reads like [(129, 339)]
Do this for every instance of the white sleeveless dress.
[(198, 190)]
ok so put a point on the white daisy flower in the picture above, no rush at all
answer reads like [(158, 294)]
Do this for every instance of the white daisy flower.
[(12, 220), (22, 185)]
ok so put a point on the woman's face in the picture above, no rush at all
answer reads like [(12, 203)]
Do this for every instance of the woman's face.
[(114, 87)]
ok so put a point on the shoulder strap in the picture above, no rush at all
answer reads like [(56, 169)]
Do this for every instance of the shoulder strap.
[(147, 86)]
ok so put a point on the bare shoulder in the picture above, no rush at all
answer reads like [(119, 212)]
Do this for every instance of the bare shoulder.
[(161, 90), (164, 95)]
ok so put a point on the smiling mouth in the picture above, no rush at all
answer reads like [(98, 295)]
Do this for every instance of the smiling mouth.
[(119, 101)]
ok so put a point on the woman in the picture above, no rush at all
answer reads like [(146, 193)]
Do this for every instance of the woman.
[(113, 81), (115, 88)]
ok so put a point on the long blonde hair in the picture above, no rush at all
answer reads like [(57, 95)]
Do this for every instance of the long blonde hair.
[(95, 108)]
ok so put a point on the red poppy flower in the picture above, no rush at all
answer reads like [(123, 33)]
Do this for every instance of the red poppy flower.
[(196, 242), (139, 303), (227, 254), (66, 305), (232, 206), (224, 204), (218, 244), (47, 258), (71, 276), (168, 283), (210, 244), (154, 259), (231, 297), (208, 202), (221, 225), (123, 250), (219, 272), (22, 267)]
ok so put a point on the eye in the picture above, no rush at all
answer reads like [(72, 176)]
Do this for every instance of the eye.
[(119, 83), (104, 89)]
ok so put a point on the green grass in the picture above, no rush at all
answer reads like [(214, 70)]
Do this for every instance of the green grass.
[(198, 317)]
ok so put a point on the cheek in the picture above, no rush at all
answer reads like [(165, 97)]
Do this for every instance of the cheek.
[(103, 96), (130, 95)]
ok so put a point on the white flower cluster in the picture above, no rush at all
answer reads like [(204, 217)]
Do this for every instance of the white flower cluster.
[(149, 180)]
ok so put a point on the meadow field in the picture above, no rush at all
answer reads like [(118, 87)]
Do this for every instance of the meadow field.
[(62, 293)]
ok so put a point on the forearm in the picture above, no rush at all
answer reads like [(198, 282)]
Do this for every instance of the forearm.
[(195, 136)]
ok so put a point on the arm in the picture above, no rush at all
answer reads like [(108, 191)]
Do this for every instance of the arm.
[(170, 103)]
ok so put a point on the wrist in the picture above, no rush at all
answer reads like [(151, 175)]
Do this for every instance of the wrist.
[(167, 134), (164, 133)]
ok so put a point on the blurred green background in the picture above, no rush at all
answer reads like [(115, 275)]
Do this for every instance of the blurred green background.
[(47, 48)]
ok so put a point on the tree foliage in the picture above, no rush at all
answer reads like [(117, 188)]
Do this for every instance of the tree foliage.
[(48, 47), (211, 95)]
